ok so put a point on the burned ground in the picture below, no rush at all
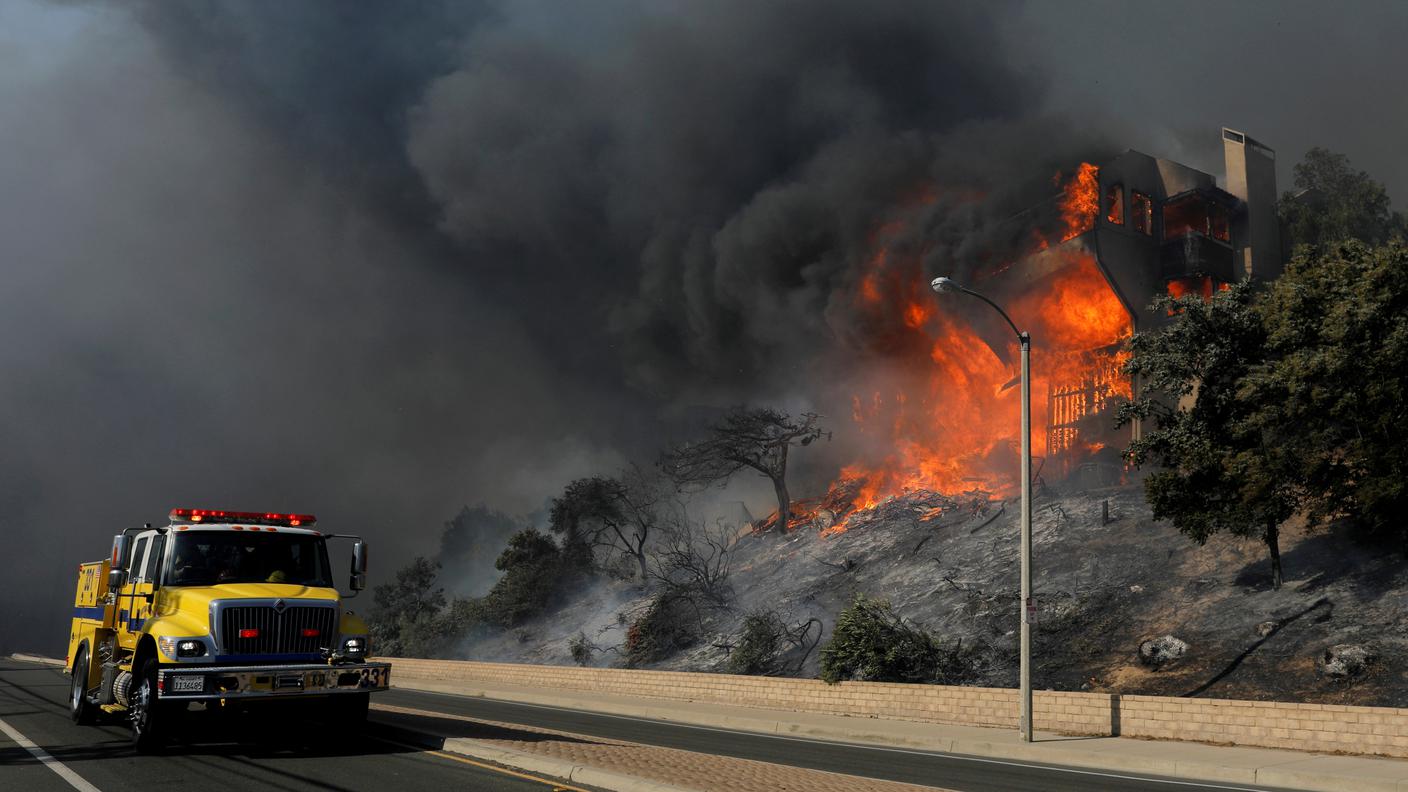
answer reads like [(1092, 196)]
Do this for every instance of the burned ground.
[(950, 564)]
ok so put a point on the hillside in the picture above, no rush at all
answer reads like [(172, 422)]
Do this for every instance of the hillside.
[(1102, 588)]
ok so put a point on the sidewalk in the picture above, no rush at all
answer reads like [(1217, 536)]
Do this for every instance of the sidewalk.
[(1184, 760), (611, 764)]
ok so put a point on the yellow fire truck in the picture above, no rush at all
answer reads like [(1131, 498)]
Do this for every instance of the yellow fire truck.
[(218, 606)]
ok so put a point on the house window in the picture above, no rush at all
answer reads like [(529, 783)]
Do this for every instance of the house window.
[(1114, 204), (1217, 223), (1141, 211)]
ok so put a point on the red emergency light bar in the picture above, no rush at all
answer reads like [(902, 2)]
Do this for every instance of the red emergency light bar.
[(258, 518)]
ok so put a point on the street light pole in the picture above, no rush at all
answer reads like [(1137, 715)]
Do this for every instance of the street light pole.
[(1028, 605)]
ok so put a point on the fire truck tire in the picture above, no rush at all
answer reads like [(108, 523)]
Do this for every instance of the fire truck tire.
[(146, 715), (80, 708)]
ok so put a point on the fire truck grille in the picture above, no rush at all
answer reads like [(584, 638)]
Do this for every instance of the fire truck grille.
[(262, 629)]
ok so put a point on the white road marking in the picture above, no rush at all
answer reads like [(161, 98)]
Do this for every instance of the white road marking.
[(74, 779), (866, 746)]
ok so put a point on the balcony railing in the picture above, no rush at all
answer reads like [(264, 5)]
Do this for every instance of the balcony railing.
[(1194, 255)]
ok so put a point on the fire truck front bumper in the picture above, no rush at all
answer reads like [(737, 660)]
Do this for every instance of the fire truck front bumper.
[(203, 683)]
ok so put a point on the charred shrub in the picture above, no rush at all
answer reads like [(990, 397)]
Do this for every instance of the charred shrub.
[(581, 649), (768, 645), (668, 624), (873, 643), (694, 561), (691, 570)]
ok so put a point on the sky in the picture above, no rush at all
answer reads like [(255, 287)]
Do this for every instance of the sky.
[(381, 261)]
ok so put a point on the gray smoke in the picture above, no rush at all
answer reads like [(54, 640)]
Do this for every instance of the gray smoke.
[(381, 260)]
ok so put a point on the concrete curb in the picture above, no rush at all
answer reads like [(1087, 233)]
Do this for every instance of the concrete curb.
[(29, 658), (1296, 771), (531, 763)]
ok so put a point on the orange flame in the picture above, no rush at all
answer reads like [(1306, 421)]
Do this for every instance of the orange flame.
[(1080, 201), (951, 422)]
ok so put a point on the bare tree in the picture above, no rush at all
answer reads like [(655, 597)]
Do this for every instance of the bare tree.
[(691, 568), (756, 438), (695, 558)]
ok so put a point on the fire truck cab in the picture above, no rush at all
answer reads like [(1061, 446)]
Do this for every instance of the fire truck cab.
[(218, 607)]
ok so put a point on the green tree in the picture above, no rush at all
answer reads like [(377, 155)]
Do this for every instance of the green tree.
[(1334, 393), (752, 438), (613, 516), (1334, 202), (404, 608), (1218, 469), (535, 576)]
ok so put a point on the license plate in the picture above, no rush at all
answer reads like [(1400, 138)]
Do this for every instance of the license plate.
[(187, 684)]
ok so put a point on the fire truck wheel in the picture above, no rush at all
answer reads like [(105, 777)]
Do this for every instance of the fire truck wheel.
[(79, 708), (145, 714)]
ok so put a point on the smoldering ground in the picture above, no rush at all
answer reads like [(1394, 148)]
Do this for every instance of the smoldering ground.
[(380, 261)]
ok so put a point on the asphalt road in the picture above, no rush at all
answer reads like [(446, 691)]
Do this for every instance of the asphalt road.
[(265, 754), (289, 754)]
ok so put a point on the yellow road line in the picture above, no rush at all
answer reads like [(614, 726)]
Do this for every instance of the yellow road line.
[(556, 785)]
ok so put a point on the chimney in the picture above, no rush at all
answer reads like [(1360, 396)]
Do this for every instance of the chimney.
[(1251, 176)]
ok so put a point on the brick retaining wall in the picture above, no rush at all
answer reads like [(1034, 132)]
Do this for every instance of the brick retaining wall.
[(1302, 727)]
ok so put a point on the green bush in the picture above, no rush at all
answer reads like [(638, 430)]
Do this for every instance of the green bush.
[(764, 639), (759, 645), (873, 643), (666, 626)]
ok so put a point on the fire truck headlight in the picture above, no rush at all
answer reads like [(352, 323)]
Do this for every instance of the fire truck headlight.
[(354, 646), (181, 647)]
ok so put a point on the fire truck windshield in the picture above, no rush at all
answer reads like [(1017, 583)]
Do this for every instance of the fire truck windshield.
[(207, 558)]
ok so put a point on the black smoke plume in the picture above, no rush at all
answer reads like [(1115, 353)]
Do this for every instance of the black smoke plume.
[(379, 260)]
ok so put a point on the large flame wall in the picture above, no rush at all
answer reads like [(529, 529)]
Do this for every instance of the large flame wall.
[(946, 416)]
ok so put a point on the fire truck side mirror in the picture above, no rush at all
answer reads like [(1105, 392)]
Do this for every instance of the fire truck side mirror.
[(117, 575), (359, 566)]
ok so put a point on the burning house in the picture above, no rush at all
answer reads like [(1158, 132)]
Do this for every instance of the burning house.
[(1161, 227), (1126, 230)]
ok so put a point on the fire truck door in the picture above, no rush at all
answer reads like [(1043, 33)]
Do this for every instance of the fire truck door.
[(134, 604)]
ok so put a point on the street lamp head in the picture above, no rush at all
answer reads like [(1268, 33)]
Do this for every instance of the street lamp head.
[(942, 284)]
